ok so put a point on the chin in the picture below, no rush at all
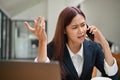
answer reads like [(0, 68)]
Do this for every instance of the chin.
[(80, 41)]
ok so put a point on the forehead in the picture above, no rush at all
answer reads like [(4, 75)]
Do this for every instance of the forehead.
[(78, 19)]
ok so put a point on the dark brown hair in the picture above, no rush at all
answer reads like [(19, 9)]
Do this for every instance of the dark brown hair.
[(60, 39)]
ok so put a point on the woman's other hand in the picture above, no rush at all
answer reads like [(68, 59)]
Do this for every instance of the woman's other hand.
[(38, 29)]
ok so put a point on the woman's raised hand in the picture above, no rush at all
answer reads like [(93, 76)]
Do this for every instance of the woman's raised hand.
[(38, 29)]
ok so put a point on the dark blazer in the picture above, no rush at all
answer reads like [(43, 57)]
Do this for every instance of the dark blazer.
[(93, 56)]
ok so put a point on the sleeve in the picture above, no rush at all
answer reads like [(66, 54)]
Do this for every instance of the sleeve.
[(47, 61), (111, 70)]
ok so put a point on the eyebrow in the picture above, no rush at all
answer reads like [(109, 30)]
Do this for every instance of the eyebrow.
[(79, 24), (83, 23)]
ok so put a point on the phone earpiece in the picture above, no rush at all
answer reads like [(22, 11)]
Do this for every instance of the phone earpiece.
[(90, 35)]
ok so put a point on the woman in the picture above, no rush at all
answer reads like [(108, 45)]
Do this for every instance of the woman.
[(77, 55)]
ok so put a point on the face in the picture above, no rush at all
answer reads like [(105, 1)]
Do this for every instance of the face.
[(76, 30)]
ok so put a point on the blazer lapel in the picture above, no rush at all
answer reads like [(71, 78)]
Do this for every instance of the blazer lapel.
[(68, 63), (87, 58)]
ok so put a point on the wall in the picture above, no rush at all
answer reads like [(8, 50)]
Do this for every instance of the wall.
[(53, 12), (32, 13), (105, 14)]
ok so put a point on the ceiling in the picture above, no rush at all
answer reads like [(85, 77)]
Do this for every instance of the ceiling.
[(13, 7)]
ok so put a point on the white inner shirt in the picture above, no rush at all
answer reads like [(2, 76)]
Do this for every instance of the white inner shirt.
[(77, 59)]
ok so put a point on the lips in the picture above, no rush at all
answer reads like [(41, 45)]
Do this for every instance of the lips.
[(81, 36)]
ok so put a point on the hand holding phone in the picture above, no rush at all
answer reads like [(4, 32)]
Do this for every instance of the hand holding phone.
[(90, 35)]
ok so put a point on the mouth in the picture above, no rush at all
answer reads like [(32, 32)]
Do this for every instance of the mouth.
[(80, 37)]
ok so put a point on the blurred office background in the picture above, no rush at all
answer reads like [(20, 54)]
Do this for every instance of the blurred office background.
[(16, 42)]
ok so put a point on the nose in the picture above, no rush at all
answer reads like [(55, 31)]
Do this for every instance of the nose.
[(80, 30)]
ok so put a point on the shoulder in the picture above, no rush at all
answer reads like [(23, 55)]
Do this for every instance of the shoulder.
[(93, 49), (92, 46), (50, 49), (50, 45), (90, 43)]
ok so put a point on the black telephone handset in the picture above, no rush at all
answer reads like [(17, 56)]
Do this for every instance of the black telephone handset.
[(90, 35)]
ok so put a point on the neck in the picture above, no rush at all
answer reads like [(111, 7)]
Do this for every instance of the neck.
[(74, 47)]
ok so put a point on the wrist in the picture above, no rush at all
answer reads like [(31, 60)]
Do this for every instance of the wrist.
[(104, 43), (42, 42)]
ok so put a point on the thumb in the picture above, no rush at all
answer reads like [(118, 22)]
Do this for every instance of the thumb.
[(28, 26)]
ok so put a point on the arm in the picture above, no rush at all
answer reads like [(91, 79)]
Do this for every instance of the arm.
[(110, 65), (99, 38), (39, 31)]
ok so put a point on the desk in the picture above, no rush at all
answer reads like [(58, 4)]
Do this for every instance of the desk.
[(117, 56)]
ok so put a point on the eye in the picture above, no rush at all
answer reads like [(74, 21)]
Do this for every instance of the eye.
[(74, 26), (83, 24)]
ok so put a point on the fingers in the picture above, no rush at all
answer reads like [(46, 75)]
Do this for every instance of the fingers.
[(39, 26), (40, 23), (43, 23), (92, 29)]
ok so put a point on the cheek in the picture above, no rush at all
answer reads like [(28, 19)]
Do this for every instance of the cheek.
[(72, 34), (71, 37)]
